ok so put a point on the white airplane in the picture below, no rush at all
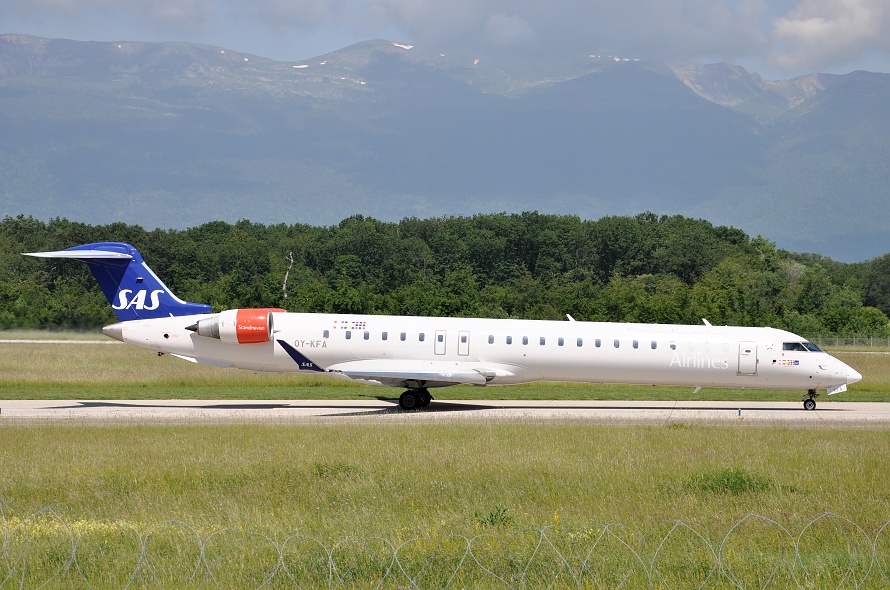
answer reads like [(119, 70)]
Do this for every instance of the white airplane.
[(420, 353)]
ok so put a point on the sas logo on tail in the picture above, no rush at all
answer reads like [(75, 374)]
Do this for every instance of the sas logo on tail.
[(138, 300)]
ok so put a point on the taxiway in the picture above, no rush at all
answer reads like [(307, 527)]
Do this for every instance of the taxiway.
[(828, 414)]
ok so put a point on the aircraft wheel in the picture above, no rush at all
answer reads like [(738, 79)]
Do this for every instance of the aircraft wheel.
[(410, 400), (809, 404), (425, 399)]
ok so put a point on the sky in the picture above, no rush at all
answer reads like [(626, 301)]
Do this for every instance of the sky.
[(777, 39)]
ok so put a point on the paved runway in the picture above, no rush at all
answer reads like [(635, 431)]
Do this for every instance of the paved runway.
[(827, 414)]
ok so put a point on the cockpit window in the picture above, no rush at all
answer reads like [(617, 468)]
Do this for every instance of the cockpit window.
[(800, 346)]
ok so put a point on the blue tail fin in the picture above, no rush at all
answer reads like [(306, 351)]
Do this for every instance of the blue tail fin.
[(132, 289)]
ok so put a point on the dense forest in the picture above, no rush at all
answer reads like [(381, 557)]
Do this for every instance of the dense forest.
[(647, 268)]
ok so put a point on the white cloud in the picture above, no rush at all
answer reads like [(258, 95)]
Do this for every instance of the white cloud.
[(173, 13), (817, 34), (147, 15), (282, 14), (568, 28), (506, 31), (797, 35)]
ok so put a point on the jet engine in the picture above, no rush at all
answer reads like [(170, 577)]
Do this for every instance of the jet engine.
[(237, 326)]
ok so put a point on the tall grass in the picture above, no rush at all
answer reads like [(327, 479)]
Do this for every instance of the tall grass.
[(408, 480), (233, 491)]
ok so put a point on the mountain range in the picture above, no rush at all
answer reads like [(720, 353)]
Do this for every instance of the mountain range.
[(176, 134)]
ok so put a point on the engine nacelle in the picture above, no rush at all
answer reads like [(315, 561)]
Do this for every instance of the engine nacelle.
[(237, 326)]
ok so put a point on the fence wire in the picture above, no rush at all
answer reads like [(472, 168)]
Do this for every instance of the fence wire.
[(863, 341), (829, 551)]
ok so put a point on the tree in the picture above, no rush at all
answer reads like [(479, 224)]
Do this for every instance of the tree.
[(844, 315), (877, 284), (646, 298), (646, 268), (739, 291)]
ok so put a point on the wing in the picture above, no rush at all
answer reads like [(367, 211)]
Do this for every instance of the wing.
[(402, 373), (410, 374)]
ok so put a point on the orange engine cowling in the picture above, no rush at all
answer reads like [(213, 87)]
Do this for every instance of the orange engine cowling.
[(238, 326)]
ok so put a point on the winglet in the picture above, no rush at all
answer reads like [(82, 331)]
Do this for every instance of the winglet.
[(302, 362)]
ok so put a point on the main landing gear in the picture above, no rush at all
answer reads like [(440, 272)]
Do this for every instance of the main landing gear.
[(415, 398), (809, 402)]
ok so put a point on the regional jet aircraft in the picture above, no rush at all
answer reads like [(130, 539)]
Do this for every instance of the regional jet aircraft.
[(420, 353)]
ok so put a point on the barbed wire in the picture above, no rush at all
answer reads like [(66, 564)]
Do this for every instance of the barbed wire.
[(830, 551)]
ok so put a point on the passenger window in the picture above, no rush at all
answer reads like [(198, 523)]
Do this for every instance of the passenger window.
[(597, 342), (561, 341), (367, 335), (349, 334), (384, 336), (673, 346), (327, 333), (463, 339), (509, 340), (440, 337), (543, 341), (422, 337), (402, 336), (654, 345), (636, 344), (491, 338), (580, 342), (617, 344), (525, 339)]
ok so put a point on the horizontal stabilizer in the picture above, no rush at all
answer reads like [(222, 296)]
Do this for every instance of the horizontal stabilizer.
[(81, 255)]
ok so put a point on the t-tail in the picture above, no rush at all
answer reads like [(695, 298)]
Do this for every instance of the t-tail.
[(132, 289)]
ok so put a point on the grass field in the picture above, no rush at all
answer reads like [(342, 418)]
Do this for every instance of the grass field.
[(327, 505), (410, 482)]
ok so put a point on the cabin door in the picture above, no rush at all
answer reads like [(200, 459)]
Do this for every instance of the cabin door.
[(747, 358), (463, 343)]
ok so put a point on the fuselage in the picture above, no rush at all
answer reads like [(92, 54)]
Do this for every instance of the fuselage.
[(510, 351)]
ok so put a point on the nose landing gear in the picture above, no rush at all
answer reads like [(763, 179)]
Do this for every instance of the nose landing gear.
[(809, 402)]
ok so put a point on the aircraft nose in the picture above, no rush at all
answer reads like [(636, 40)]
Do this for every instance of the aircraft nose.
[(115, 331), (853, 376)]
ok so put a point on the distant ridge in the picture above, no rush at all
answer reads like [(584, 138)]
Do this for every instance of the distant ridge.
[(175, 134)]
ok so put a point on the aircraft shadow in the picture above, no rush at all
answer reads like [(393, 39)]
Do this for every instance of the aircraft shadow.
[(435, 407), (232, 406), (360, 410), (456, 406)]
